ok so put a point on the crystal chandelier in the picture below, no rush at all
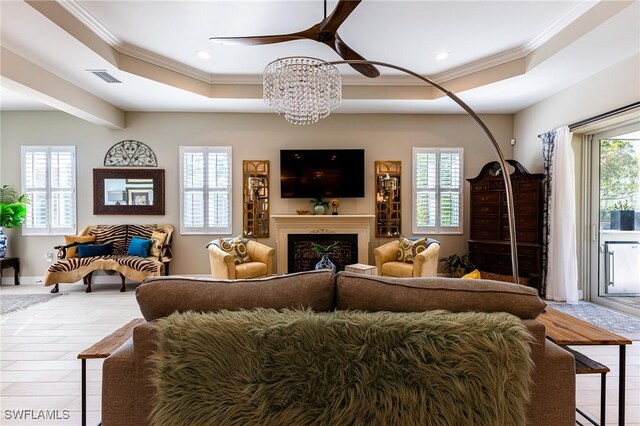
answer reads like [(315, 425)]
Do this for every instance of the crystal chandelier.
[(303, 89)]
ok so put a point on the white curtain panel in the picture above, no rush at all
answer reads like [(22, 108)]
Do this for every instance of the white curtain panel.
[(562, 271)]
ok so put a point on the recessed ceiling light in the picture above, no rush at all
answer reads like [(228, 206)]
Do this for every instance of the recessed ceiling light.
[(203, 54), (444, 54)]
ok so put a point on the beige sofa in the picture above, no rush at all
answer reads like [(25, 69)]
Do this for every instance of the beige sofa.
[(128, 392)]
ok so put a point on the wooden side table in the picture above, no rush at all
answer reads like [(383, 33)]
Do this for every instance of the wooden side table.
[(103, 349), (585, 365), (566, 330), (12, 262)]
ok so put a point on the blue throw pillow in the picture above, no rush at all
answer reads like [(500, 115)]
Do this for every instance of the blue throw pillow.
[(90, 250), (139, 247)]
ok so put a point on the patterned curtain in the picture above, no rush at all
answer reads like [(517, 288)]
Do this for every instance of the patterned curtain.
[(560, 260), (548, 146)]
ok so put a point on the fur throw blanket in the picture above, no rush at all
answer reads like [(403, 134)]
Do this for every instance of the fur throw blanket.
[(292, 367)]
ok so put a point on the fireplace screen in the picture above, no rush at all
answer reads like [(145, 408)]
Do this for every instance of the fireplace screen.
[(302, 258)]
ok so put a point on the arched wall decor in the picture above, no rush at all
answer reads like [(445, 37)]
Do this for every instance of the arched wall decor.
[(130, 153)]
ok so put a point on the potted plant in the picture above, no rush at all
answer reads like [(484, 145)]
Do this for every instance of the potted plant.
[(456, 265), (622, 216), (320, 206), (13, 213), (325, 251)]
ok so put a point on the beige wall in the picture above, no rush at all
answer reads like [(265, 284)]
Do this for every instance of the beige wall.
[(252, 136)]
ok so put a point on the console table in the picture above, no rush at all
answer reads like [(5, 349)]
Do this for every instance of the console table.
[(566, 330), (103, 349), (12, 262)]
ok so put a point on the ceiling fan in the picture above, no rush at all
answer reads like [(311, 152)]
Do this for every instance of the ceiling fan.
[(326, 31)]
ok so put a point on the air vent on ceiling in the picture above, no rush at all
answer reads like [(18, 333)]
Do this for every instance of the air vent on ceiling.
[(105, 76)]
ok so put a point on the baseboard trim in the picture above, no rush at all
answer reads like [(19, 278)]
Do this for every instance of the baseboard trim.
[(8, 280), (38, 280)]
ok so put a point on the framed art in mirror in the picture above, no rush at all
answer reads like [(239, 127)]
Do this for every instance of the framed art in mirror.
[(128, 191)]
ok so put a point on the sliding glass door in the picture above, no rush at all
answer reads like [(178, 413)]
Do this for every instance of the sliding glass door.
[(615, 218)]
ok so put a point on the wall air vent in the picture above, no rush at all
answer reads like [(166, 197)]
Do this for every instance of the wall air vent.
[(104, 75)]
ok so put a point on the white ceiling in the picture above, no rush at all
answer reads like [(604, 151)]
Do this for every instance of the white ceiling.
[(574, 39)]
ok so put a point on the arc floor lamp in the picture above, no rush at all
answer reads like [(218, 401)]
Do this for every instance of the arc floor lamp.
[(307, 89)]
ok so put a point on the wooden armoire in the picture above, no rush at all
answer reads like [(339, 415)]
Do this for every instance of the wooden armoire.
[(489, 246)]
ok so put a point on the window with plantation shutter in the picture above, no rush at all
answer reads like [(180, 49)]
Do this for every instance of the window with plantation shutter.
[(205, 180), (437, 190), (49, 178)]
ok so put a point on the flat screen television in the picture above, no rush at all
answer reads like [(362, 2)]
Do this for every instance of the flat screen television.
[(312, 173)]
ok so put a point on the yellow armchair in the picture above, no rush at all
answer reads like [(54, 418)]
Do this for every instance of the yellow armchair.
[(425, 264), (223, 267)]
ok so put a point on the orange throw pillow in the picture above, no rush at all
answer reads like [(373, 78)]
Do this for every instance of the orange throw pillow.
[(70, 239)]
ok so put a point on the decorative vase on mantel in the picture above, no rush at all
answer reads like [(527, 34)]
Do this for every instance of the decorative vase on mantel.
[(319, 206), (3, 244), (319, 210), (325, 263)]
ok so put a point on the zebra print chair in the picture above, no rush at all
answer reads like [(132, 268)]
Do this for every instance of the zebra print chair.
[(72, 269)]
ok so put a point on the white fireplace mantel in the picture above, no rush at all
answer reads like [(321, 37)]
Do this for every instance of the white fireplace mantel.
[(316, 224)]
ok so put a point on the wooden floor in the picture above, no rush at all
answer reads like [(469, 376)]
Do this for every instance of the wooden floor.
[(39, 346)]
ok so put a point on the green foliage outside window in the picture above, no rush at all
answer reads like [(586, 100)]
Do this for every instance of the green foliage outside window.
[(619, 175)]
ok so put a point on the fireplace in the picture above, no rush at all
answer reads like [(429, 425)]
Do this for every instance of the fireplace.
[(315, 227), (302, 258)]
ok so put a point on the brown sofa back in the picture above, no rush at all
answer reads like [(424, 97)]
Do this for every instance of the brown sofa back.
[(161, 296), (371, 293), (553, 381)]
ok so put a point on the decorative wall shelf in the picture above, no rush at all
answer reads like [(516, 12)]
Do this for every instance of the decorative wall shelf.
[(255, 198), (388, 198)]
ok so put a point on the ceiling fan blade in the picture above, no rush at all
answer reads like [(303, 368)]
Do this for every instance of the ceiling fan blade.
[(257, 40), (342, 11), (348, 53)]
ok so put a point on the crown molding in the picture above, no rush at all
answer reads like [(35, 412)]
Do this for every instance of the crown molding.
[(80, 13), (559, 24), (519, 52), (570, 15), (164, 62)]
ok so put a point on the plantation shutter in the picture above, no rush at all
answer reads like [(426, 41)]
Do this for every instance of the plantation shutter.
[(206, 188), (218, 190), (437, 186), (450, 184), (49, 178)]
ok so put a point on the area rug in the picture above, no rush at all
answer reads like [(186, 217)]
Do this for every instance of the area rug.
[(15, 302), (610, 320)]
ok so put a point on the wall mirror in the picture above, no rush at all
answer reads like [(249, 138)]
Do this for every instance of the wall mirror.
[(388, 201), (255, 194), (128, 191)]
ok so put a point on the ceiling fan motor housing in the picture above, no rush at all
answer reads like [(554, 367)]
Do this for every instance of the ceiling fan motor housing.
[(324, 37)]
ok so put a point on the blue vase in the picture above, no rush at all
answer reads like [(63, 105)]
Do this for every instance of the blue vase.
[(3, 244), (325, 263)]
